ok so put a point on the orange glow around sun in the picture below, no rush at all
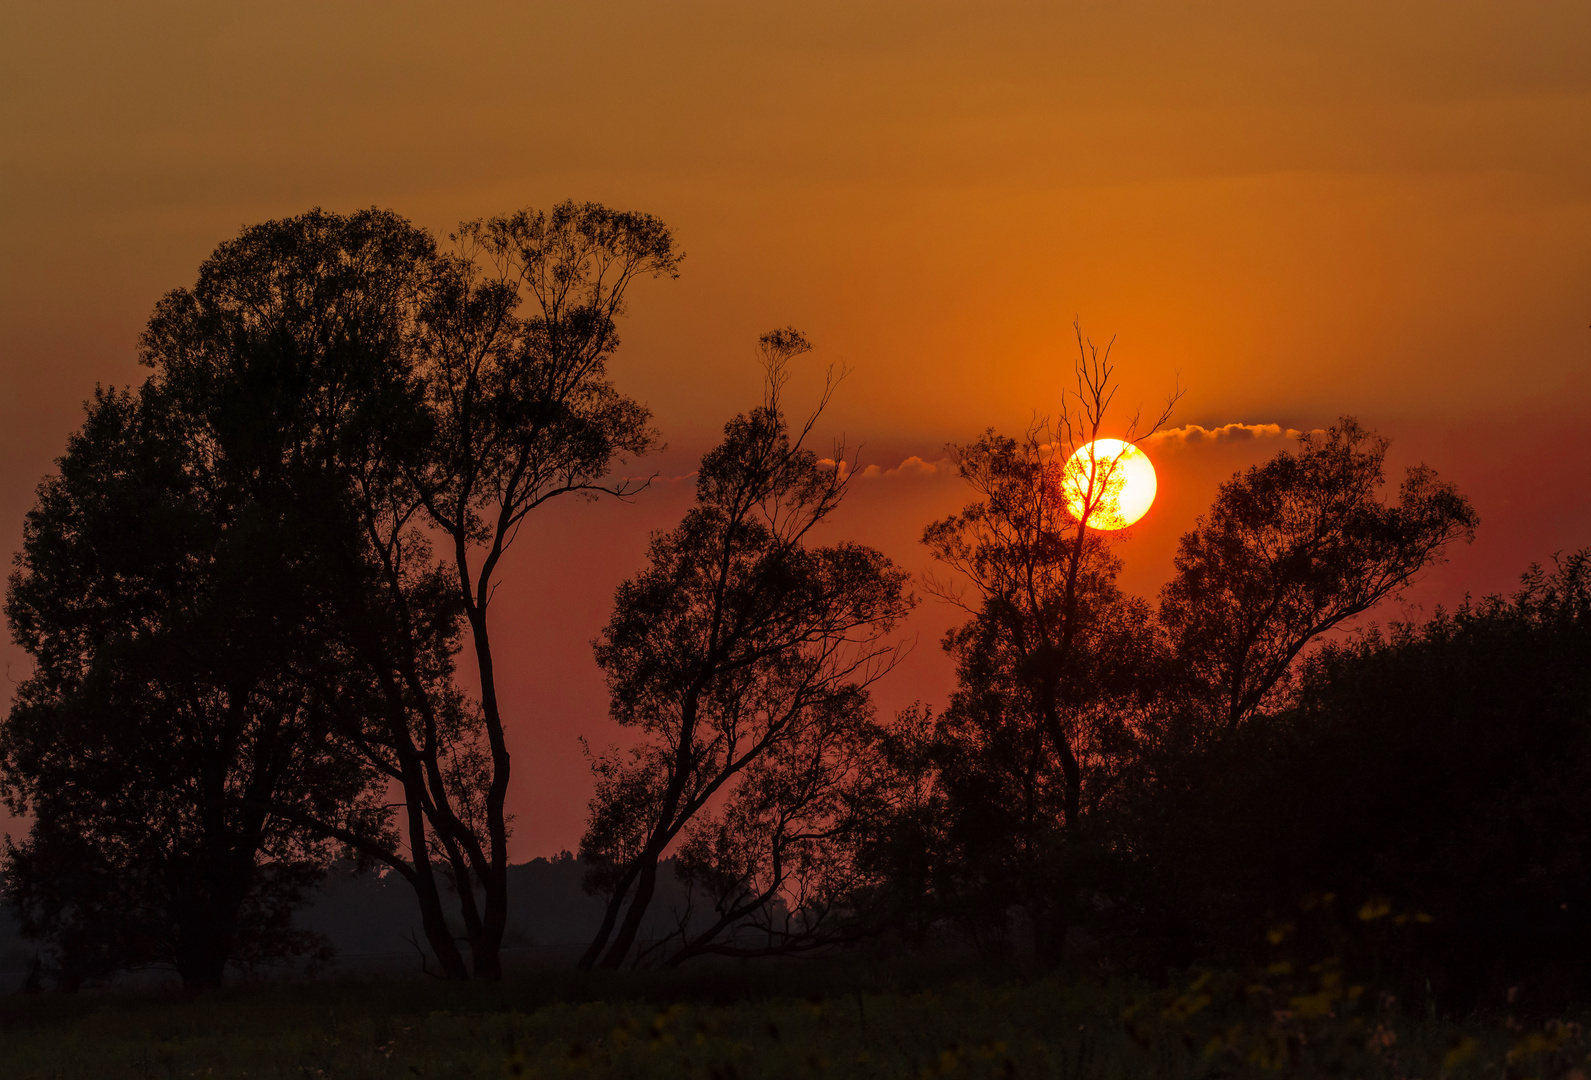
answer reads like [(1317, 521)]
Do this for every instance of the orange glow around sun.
[(1115, 477)]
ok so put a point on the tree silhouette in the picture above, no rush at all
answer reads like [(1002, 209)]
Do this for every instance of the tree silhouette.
[(386, 395), (1047, 640), (743, 655), (1443, 763), (162, 730), (1291, 549), (1042, 576), (783, 865), (522, 411)]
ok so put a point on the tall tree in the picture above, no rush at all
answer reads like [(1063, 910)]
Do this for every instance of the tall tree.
[(388, 395), (742, 655), (513, 366), (1291, 549), (1048, 636), (1041, 574), (162, 734), (290, 362)]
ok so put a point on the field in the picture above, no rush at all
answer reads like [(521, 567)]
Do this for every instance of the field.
[(795, 1020)]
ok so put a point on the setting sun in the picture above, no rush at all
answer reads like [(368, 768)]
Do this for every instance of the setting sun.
[(1116, 477)]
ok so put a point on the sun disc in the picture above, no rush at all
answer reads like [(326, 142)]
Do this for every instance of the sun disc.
[(1114, 479)]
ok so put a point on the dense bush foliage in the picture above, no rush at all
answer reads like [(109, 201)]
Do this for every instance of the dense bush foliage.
[(1446, 764)]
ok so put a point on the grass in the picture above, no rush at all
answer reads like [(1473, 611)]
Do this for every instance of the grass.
[(773, 1021)]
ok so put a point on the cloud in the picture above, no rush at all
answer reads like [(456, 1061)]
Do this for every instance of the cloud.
[(1196, 433), (912, 467)]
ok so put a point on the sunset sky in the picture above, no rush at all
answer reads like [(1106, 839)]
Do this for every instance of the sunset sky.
[(1293, 211)]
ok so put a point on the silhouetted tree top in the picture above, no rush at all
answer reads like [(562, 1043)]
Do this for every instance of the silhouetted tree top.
[(406, 405), (740, 651), (1042, 579), (163, 736), (1292, 548)]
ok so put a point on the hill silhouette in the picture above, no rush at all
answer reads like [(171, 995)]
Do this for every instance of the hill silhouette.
[(372, 925)]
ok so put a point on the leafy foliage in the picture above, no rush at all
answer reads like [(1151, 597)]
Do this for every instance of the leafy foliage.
[(1291, 549), (1444, 763), (742, 655), (787, 1021), (385, 394), (162, 731)]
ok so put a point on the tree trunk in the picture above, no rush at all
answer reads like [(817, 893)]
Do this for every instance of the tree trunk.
[(434, 922), (610, 916), (203, 948), (206, 923), (432, 918), (200, 968), (486, 946), (644, 887)]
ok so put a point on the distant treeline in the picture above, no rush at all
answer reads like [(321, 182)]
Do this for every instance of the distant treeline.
[(248, 586)]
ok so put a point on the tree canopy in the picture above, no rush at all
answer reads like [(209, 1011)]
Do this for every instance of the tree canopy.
[(380, 413), (742, 654), (1291, 549), (163, 737)]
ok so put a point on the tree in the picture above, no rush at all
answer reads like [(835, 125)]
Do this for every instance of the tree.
[(1443, 764), (289, 364), (904, 852), (742, 655), (385, 394), (159, 728), (1045, 661), (522, 411), (783, 865), (1014, 807), (1291, 549), (1042, 575)]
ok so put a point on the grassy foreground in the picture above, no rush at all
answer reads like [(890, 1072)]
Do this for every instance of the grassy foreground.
[(796, 1021)]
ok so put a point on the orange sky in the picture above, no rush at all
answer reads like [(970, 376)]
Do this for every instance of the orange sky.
[(1298, 209)]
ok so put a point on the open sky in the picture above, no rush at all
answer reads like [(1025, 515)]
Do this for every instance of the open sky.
[(1293, 210)]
